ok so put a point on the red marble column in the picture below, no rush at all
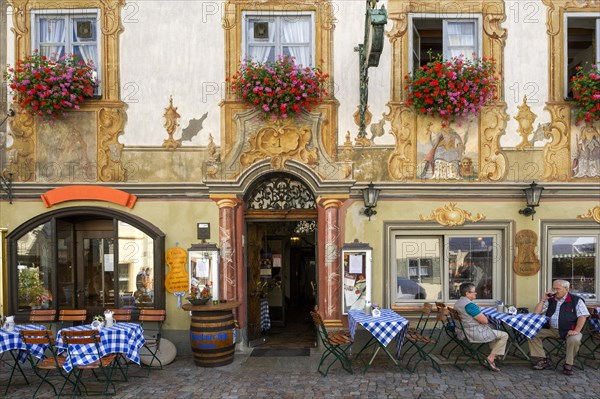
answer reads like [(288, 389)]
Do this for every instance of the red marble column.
[(227, 241), (330, 242)]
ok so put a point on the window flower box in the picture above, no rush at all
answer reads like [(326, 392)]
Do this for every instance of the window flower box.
[(453, 90), (586, 90), (47, 86), (279, 89)]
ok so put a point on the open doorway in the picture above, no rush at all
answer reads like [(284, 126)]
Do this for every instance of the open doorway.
[(282, 278)]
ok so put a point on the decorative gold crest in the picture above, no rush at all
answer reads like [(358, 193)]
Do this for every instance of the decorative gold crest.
[(171, 124), (280, 141), (450, 215), (593, 213)]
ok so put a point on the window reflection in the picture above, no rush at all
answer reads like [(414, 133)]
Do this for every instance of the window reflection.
[(135, 273), (574, 260), (471, 259), (34, 269)]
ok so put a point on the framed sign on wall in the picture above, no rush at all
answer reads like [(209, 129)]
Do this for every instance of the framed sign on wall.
[(356, 276)]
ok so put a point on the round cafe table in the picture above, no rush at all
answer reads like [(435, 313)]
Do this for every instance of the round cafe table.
[(212, 333)]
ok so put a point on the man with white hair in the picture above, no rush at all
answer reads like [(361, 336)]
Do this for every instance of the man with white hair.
[(567, 314)]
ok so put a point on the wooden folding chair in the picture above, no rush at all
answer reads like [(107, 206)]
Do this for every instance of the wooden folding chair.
[(72, 317), (556, 349), (121, 314), (424, 340), (105, 364), (590, 344), (334, 343), (453, 342), (152, 333), (51, 362), (471, 350), (43, 316)]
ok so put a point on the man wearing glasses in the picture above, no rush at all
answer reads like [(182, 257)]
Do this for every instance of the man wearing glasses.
[(567, 314), (476, 325)]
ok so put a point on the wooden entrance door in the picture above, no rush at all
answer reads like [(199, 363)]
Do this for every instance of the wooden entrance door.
[(256, 234)]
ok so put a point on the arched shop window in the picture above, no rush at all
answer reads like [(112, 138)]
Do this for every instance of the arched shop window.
[(85, 258)]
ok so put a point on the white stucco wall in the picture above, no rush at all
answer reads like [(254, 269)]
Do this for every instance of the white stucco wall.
[(177, 48), (171, 48)]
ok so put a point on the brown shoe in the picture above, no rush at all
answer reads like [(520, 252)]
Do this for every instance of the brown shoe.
[(567, 369), (542, 364)]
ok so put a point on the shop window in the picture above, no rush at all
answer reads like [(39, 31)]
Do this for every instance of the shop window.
[(431, 267), (94, 261), (574, 256), (269, 36), (57, 33), (431, 36), (581, 50), (34, 269)]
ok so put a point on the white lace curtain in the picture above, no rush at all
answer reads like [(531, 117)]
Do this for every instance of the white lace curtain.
[(292, 37), (459, 38), (52, 37)]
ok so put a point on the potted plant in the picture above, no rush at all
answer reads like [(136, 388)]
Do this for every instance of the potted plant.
[(199, 297), (47, 86), (280, 88), (32, 292), (586, 89), (454, 89)]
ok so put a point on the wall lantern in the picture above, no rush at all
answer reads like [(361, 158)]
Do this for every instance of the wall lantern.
[(370, 195), (533, 195)]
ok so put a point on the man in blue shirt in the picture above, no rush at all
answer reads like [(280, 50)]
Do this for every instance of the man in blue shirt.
[(476, 325)]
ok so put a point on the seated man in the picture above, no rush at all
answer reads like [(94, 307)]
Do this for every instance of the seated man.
[(476, 325), (567, 313)]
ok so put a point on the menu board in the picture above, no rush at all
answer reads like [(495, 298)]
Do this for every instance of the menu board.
[(356, 276)]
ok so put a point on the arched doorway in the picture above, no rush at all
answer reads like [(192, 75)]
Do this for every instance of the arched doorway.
[(281, 230), (85, 258)]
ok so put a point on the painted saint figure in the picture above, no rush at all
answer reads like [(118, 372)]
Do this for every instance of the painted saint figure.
[(443, 160), (586, 162)]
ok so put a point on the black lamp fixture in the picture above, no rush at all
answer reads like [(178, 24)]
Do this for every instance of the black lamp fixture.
[(533, 194), (370, 195)]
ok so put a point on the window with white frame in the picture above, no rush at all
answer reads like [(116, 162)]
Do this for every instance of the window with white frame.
[(431, 265), (582, 36), (448, 37), (268, 36), (573, 255), (57, 33)]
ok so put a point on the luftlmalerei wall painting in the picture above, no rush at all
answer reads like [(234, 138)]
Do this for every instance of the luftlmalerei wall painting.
[(67, 148)]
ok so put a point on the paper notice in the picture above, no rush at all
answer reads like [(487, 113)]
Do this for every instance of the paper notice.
[(356, 264)]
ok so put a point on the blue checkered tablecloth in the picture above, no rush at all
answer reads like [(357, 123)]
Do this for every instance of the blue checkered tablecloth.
[(12, 341), (125, 338), (388, 326), (265, 317), (527, 324), (595, 322)]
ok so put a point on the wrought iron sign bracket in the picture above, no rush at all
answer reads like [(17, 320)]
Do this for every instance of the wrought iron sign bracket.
[(369, 52), (6, 186)]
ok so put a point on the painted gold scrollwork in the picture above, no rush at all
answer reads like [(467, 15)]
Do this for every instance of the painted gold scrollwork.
[(21, 154), (593, 213), (450, 215), (493, 160), (111, 122), (401, 163), (556, 152), (280, 141)]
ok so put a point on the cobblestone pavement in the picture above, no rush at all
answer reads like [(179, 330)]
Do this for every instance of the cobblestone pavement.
[(296, 377)]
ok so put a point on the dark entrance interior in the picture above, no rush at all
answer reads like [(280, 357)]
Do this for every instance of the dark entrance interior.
[(282, 278)]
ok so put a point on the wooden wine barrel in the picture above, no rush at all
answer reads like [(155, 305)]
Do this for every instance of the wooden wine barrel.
[(212, 337)]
